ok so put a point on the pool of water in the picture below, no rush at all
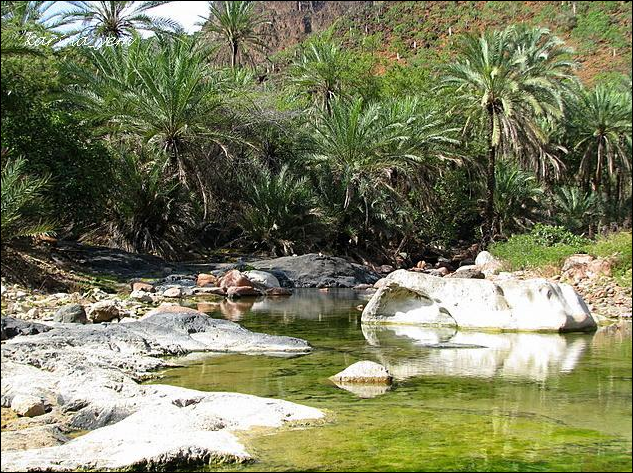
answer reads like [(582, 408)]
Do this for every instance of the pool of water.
[(466, 401)]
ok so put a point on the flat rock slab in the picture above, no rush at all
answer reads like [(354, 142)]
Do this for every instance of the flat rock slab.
[(185, 428), (88, 375)]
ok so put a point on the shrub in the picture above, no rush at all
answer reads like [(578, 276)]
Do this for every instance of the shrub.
[(148, 211), (22, 213), (280, 210)]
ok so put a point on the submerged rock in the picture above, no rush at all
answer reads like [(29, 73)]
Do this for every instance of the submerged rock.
[(534, 304)]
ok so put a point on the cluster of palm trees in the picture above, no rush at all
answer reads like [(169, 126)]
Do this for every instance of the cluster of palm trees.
[(320, 155)]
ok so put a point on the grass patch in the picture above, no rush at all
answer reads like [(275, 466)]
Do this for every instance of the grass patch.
[(532, 251)]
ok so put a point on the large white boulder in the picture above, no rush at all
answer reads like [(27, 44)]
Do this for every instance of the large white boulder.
[(535, 304)]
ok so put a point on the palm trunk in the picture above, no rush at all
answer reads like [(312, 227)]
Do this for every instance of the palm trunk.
[(234, 51), (488, 230)]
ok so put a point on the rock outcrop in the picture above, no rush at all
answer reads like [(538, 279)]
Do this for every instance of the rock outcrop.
[(535, 304), (88, 376), (315, 270)]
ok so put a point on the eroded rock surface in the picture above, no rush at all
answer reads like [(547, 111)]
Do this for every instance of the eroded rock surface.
[(88, 377), (534, 304)]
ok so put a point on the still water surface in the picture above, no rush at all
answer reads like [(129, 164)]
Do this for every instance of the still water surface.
[(464, 401)]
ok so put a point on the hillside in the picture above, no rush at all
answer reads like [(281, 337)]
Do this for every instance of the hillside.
[(414, 32)]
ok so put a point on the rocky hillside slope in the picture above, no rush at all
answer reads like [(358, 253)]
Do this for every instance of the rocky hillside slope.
[(421, 32)]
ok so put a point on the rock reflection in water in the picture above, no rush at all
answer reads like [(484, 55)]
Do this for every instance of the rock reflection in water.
[(448, 352), (310, 304), (365, 391)]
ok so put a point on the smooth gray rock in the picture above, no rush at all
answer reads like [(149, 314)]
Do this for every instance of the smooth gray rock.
[(71, 314), (12, 327), (89, 374), (532, 305), (314, 270)]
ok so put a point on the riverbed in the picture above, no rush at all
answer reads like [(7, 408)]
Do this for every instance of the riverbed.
[(470, 401)]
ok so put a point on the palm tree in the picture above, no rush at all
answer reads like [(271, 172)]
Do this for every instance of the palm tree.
[(22, 18), (113, 19), (575, 208), (236, 23), (600, 125), (319, 72), (517, 197), (22, 214), (504, 82), (25, 14), (161, 91), (365, 145)]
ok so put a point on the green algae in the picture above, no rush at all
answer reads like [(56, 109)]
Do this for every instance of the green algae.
[(526, 402)]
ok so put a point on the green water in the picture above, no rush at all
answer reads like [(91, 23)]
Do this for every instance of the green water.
[(461, 400)]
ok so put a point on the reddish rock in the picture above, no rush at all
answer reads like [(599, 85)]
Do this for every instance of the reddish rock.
[(234, 278), (278, 291), (173, 292), (142, 286), (421, 265), (206, 280), (241, 291)]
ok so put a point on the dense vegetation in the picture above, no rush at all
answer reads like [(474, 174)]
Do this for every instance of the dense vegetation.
[(175, 142)]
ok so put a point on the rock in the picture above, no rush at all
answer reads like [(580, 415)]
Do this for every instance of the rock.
[(3, 289), (437, 272), (385, 269), (367, 372), (89, 374), (33, 313), (216, 291), (467, 273), (173, 292), (279, 291), (142, 286), (262, 279), (12, 327), (71, 314), (206, 280), (27, 406), (421, 265), (200, 430), (315, 270), (103, 311), (242, 291), (484, 257), (580, 266), (33, 437), (141, 296), (235, 278), (534, 304), (363, 287)]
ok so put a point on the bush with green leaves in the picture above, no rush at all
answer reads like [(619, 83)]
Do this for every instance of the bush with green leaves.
[(574, 208), (280, 211), (148, 210), (23, 214)]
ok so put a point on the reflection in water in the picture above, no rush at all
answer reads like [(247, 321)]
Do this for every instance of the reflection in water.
[(364, 391), (310, 304), (448, 352)]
